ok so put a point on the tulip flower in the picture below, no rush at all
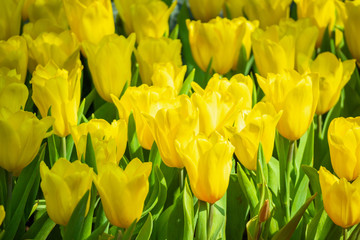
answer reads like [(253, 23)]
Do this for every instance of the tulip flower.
[(156, 50), (59, 89), (341, 198), (61, 48), (151, 19), (63, 187), (90, 20), (351, 29), (234, 7), (208, 162), (10, 18), (343, 138), (322, 13), (169, 124), (105, 59), (21, 134), (2, 214), (13, 93), (205, 10), (144, 100), (268, 12), (260, 125), (333, 76), (168, 75), (123, 192), (108, 140), (14, 54), (218, 42), (296, 95), (124, 9)]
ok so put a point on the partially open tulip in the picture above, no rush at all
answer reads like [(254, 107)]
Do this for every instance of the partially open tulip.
[(333, 76), (208, 162), (90, 20), (151, 19), (351, 28), (10, 18), (21, 134), (14, 54), (63, 187), (296, 95), (110, 64), (344, 142), (156, 50), (108, 140), (322, 13), (341, 198), (168, 75), (205, 10), (59, 89), (123, 192), (218, 42), (260, 126), (63, 49)]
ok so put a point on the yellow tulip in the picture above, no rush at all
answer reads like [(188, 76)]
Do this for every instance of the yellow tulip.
[(208, 162), (234, 7), (268, 12), (90, 20), (322, 13), (341, 198), (14, 54), (343, 138), (168, 124), (13, 93), (63, 187), (105, 59), (205, 10), (21, 134), (144, 100), (2, 214), (10, 18), (123, 192), (218, 41), (108, 140), (351, 29), (333, 76), (285, 46), (296, 95), (156, 50), (168, 75), (63, 49), (151, 19), (260, 126), (59, 89)]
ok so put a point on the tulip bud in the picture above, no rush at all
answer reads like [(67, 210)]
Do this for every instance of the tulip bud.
[(57, 88), (104, 60), (21, 134), (123, 192), (10, 18), (264, 213), (90, 20), (205, 10), (296, 95), (208, 162), (341, 198), (351, 29), (168, 75), (63, 187)]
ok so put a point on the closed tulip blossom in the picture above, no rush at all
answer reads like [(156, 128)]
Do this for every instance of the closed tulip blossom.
[(344, 140), (59, 89), (205, 10), (63, 186), (123, 192), (294, 94), (105, 59), (168, 75), (10, 18), (341, 198), (351, 28)]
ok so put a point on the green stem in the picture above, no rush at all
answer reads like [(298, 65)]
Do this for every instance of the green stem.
[(201, 229), (210, 219), (181, 179), (290, 157), (63, 147), (319, 119), (9, 185), (344, 234)]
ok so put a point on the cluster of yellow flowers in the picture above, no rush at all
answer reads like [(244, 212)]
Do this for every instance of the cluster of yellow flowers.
[(201, 130)]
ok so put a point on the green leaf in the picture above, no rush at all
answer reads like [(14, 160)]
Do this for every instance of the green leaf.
[(253, 228), (135, 149), (187, 83), (53, 153), (129, 232), (273, 172), (188, 209), (146, 229), (247, 188), (202, 222), (90, 154), (40, 229), (319, 226), (217, 229), (88, 222), (261, 169), (3, 188), (287, 231), (107, 111), (314, 183), (135, 76), (175, 32), (98, 231), (74, 228)]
